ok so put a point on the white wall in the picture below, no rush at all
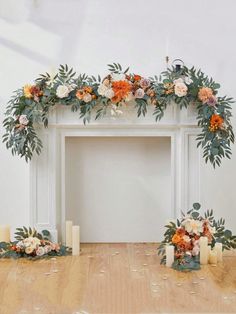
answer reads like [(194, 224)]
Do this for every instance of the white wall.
[(36, 36)]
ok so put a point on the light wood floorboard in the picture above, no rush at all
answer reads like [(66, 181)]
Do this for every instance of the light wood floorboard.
[(115, 278)]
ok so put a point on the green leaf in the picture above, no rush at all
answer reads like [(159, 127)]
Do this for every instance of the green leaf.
[(196, 206)]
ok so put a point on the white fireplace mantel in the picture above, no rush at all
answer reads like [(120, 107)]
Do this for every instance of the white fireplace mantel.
[(47, 171)]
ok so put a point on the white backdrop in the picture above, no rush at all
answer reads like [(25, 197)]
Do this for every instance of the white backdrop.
[(37, 35)]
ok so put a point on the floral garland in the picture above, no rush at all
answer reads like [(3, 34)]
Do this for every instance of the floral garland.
[(32, 103), (185, 235), (32, 244)]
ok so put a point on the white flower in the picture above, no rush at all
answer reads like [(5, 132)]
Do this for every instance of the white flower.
[(29, 250), (179, 80), (188, 80), (109, 93), (32, 242), (139, 93), (144, 83), (87, 97), (118, 76), (40, 251), (62, 91), (193, 226), (102, 89), (129, 97), (23, 119), (181, 89)]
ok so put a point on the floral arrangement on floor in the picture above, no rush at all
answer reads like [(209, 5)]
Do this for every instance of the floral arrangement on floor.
[(87, 94), (184, 235), (31, 244)]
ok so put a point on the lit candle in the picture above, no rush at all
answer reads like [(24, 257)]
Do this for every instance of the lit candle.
[(69, 233), (219, 251), (169, 255), (75, 240), (213, 257), (203, 250), (5, 233)]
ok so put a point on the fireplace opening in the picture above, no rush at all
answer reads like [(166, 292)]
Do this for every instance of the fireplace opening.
[(118, 189)]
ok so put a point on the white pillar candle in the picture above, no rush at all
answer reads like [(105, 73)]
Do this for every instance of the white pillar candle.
[(169, 255), (69, 233), (209, 250), (75, 240), (213, 257), (219, 251), (203, 250), (5, 233)]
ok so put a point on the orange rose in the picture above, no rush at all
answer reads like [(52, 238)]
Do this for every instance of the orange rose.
[(80, 94), (137, 77), (176, 239)]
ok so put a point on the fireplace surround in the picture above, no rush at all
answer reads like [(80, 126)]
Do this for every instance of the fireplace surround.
[(47, 171)]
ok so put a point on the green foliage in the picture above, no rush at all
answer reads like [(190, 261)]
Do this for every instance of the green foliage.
[(24, 141), (221, 235), (23, 233)]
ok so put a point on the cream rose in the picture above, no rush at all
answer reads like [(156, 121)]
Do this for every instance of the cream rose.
[(181, 89), (109, 93), (31, 242), (102, 89), (193, 226), (87, 98), (23, 119), (62, 91), (29, 250)]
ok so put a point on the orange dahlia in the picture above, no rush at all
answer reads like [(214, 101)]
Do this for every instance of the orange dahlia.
[(216, 122), (121, 90), (205, 93)]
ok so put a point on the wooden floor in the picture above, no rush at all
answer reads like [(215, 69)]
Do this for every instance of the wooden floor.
[(115, 278)]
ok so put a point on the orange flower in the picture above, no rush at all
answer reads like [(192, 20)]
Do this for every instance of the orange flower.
[(88, 89), (216, 122), (121, 90), (80, 94), (137, 77), (176, 239), (27, 91), (169, 88), (31, 91), (205, 93)]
